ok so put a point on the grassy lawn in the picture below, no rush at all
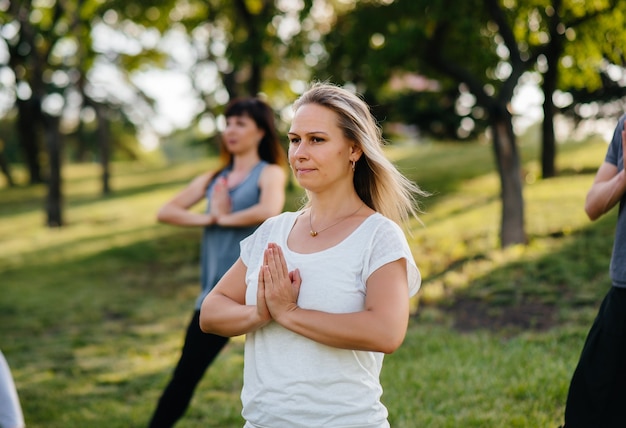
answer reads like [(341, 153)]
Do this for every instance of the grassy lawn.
[(92, 315)]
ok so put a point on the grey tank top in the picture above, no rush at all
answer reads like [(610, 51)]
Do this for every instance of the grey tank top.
[(220, 245)]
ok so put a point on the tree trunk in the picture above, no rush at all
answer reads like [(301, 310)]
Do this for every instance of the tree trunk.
[(254, 84), (548, 139), (54, 201), (23, 57), (81, 154), (508, 162), (230, 83), (104, 142), (28, 119), (4, 166), (553, 53)]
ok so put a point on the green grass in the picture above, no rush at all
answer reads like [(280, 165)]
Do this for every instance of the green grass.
[(92, 315)]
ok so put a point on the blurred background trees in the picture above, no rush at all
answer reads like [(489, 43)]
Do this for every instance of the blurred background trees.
[(86, 80)]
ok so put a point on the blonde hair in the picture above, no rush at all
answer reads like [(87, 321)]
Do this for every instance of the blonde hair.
[(376, 180)]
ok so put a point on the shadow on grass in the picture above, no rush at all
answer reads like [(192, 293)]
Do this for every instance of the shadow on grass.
[(103, 331), (22, 200), (535, 294), (435, 171)]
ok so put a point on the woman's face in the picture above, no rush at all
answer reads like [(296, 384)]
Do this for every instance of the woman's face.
[(241, 134), (319, 153)]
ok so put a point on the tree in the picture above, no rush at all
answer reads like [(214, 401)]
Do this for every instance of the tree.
[(576, 39), (251, 44), (30, 51), (244, 48), (470, 45), (50, 51), (483, 48), (4, 166), (21, 61)]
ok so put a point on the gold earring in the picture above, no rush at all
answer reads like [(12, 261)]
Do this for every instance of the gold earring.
[(353, 165)]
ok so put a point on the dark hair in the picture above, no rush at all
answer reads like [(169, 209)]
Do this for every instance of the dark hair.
[(270, 149)]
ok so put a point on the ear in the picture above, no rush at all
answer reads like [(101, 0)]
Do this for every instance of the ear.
[(355, 153), (261, 133)]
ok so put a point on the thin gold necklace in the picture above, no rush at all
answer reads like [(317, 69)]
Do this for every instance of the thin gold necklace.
[(314, 233)]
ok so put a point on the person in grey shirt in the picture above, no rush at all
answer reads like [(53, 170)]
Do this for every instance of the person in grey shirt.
[(597, 390)]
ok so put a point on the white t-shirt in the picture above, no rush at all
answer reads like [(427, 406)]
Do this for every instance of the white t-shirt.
[(291, 381)]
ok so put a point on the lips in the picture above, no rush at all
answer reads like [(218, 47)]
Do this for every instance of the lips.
[(304, 170)]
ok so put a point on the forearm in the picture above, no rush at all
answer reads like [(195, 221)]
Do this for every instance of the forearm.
[(182, 217), (247, 217), (604, 195), (364, 330), (221, 315)]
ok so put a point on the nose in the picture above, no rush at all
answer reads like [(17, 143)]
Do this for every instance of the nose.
[(299, 151), (296, 156)]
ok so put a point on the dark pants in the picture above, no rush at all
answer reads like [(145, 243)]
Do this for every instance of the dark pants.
[(597, 392), (199, 350)]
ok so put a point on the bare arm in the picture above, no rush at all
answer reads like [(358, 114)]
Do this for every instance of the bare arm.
[(380, 327), (176, 211), (224, 310), (271, 201), (608, 187)]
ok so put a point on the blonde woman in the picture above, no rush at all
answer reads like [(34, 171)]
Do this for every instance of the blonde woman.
[(323, 293)]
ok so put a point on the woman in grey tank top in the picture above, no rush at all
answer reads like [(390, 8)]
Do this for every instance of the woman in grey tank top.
[(248, 188)]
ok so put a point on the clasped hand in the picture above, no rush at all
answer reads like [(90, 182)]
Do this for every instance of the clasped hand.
[(278, 289), (220, 199)]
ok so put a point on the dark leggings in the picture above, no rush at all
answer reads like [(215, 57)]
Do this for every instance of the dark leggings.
[(597, 392), (199, 350)]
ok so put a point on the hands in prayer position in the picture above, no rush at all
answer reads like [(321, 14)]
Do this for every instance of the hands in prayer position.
[(278, 288), (220, 199)]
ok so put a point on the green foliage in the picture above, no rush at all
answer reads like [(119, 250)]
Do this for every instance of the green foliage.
[(384, 48), (486, 46), (243, 40), (92, 315), (591, 33)]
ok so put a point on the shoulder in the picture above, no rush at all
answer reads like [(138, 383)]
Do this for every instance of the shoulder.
[(199, 184), (378, 234), (619, 127), (273, 170), (615, 147), (385, 235), (389, 243), (280, 219), (383, 225), (271, 223), (272, 175), (271, 228), (203, 179)]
